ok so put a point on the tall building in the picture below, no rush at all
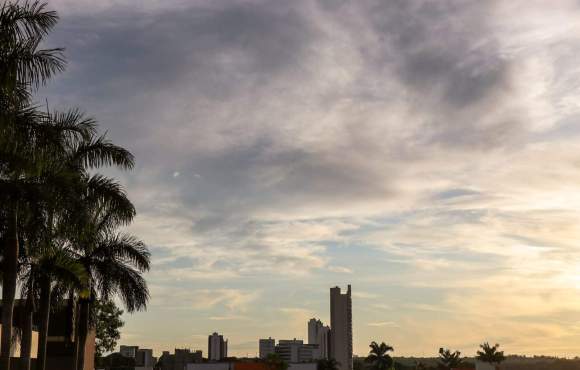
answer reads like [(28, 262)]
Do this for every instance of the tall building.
[(267, 347), (320, 335), (341, 327), (217, 348)]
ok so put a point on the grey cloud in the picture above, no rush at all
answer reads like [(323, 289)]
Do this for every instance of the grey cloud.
[(306, 109)]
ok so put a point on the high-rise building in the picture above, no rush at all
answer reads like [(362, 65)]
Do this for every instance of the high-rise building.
[(320, 335), (341, 327), (217, 348), (267, 347)]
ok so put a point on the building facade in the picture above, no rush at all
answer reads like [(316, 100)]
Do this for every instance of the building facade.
[(128, 351), (295, 351), (217, 347), (142, 357), (179, 360), (320, 335), (341, 327), (266, 347)]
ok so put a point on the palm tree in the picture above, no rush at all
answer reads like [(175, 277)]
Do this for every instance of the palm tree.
[(448, 359), (327, 364), (378, 356), (48, 263), (55, 199), (23, 66), (490, 354), (113, 260)]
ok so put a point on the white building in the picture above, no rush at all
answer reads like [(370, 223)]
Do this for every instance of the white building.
[(295, 351), (267, 347), (320, 335), (217, 347), (341, 327)]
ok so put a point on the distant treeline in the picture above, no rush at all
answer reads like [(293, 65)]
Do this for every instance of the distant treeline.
[(511, 363)]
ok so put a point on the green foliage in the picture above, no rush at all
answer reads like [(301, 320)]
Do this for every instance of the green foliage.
[(490, 354), (107, 324), (448, 359), (378, 357)]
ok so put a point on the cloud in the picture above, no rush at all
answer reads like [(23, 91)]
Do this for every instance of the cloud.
[(383, 324), (418, 149)]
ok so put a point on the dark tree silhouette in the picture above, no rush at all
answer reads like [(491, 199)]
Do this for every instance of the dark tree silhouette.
[(448, 359), (378, 357), (490, 354)]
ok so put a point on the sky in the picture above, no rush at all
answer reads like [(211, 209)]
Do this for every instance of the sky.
[(426, 152)]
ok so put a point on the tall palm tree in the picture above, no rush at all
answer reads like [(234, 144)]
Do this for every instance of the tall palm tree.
[(378, 357), (490, 354), (55, 197), (23, 66), (449, 360), (74, 187), (47, 264), (113, 260)]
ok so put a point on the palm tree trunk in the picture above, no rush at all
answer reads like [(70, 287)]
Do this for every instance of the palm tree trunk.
[(45, 293), (76, 323), (9, 289), (83, 332), (26, 345)]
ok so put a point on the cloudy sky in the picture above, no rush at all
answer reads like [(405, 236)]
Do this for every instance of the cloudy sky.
[(426, 152)]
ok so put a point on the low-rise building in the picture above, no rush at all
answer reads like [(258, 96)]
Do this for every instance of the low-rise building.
[(295, 351), (179, 360), (142, 357)]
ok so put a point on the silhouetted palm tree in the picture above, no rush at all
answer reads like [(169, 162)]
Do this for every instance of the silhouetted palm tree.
[(490, 354), (46, 264), (378, 356), (23, 66), (114, 261), (448, 359)]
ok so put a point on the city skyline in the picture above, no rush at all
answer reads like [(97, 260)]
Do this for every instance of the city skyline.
[(423, 151)]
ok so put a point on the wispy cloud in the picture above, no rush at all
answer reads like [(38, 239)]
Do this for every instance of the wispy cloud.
[(425, 151)]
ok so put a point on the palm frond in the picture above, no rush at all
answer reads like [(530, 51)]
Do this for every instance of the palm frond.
[(101, 152)]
